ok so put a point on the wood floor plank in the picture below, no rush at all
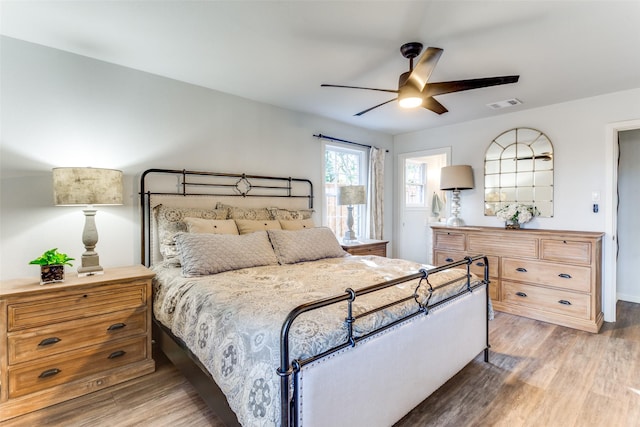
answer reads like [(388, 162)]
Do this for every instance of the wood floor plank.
[(538, 375)]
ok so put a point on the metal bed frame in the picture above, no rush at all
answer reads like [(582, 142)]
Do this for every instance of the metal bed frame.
[(243, 185)]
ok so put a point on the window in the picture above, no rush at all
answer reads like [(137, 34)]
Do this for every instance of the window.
[(415, 183), (343, 166)]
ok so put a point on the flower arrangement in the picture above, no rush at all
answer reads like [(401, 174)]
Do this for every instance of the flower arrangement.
[(517, 213)]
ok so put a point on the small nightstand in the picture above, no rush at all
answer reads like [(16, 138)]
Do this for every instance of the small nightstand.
[(64, 340), (366, 247)]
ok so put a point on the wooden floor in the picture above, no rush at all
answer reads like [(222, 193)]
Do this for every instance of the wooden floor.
[(539, 375)]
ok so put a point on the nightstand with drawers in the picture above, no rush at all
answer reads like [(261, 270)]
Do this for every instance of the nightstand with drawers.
[(366, 247), (64, 340)]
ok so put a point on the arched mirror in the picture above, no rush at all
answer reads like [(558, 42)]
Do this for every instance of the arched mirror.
[(518, 167)]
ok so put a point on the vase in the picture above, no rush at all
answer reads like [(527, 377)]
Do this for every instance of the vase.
[(512, 225), (51, 274)]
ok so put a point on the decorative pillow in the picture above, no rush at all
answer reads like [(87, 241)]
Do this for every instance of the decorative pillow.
[(246, 226), (170, 221), (288, 215), (204, 254), (245, 213), (211, 226), (296, 224), (293, 246)]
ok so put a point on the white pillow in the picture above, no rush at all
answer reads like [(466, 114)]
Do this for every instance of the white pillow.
[(204, 254), (296, 224), (211, 226), (246, 226), (310, 244)]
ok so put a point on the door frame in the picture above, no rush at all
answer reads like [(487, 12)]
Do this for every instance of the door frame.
[(610, 293), (400, 162)]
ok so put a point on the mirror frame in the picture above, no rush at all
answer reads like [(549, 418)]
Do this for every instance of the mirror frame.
[(518, 168)]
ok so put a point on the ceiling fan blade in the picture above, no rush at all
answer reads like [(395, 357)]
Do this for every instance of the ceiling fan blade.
[(432, 89), (431, 104), (423, 69), (358, 87), (374, 107)]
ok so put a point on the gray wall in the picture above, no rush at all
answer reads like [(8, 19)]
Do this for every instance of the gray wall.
[(60, 109)]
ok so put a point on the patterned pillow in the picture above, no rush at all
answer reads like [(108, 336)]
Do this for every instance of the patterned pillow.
[(211, 226), (204, 254), (296, 224), (293, 246), (288, 215), (246, 213), (246, 226), (170, 221)]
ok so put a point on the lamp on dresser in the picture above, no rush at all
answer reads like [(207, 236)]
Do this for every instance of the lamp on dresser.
[(89, 187), (456, 178), (350, 195)]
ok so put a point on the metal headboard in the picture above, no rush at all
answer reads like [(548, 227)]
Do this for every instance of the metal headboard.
[(171, 182)]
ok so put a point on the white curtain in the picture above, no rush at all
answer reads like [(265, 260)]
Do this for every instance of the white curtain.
[(375, 200)]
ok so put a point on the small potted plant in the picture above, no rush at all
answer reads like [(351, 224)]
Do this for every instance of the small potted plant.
[(52, 265)]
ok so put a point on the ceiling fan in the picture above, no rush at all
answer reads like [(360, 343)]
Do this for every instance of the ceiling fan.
[(414, 89)]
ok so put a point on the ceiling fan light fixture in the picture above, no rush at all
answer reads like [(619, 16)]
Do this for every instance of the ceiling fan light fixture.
[(410, 102), (409, 97)]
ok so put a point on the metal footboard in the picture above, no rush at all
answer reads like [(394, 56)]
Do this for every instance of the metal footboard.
[(288, 370)]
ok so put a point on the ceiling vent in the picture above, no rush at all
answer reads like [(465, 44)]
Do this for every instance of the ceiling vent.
[(504, 104)]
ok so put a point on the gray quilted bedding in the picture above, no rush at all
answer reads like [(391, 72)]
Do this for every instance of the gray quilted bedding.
[(231, 321)]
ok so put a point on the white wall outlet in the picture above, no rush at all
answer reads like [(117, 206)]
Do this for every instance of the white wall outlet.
[(595, 196)]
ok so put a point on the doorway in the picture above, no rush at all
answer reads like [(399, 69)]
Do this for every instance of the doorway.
[(628, 248), (610, 243), (420, 202)]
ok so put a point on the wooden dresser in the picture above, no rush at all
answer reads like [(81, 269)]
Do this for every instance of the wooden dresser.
[(366, 247), (550, 275), (68, 339)]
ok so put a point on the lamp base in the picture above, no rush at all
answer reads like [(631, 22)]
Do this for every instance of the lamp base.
[(350, 236), (90, 265), (455, 221)]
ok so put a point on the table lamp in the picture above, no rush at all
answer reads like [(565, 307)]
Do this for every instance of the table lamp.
[(350, 195), (89, 187), (456, 178)]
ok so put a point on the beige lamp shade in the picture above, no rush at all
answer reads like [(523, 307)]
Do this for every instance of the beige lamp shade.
[(87, 186), (352, 195), (459, 177)]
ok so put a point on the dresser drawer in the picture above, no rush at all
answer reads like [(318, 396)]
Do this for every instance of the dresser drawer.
[(31, 377), (565, 251), (76, 305), (46, 341), (571, 277), (449, 240), (516, 246), (379, 250), (477, 267), (547, 299)]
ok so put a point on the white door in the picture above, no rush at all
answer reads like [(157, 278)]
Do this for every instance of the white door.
[(418, 186)]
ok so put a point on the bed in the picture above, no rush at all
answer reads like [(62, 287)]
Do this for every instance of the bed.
[(275, 324)]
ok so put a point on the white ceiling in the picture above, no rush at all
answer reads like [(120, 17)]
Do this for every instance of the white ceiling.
[(279, 52)]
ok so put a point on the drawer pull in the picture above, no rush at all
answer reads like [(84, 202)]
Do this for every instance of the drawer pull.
[(480, 264), (521, 294), (117, 354), (49, 373), (116, 326), (564, 275), (49, 341), (449, 259), (564, 302), (521, 269)]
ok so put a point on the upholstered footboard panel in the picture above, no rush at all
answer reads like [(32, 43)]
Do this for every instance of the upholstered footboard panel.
[(391, 373)]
